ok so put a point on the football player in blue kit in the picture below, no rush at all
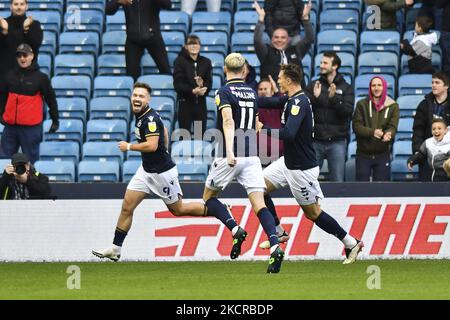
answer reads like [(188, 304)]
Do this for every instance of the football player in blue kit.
[(298, 168), (237, 158)]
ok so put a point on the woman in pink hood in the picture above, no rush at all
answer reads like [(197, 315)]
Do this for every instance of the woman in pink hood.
[(375, 123)]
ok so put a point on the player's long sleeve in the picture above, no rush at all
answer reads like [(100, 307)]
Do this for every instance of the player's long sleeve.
[(294, 120), (275, 102)]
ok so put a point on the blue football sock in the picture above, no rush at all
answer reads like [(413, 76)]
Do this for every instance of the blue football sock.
[(328, 224), (271, 207), (268, 224), (218, 210)]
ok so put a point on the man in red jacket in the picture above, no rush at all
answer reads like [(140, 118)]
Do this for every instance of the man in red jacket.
[(22, 98)]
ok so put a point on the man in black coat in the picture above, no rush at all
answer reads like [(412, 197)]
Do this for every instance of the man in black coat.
[(20, 181), (192, 80), (332, 99), (435, 105), (143, 32), (16, 29), (286, 14)]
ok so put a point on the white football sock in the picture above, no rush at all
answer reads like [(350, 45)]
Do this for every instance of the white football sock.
[(349, 242)]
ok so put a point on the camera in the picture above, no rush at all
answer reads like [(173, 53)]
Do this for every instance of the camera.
[(20, 169)]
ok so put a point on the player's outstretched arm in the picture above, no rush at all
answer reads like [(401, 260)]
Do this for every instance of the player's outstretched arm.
[(276, 102)]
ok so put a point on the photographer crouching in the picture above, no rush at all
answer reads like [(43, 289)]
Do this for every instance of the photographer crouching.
[(20, 181)]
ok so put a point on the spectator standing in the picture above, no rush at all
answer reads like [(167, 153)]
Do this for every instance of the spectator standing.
[(445, 34), (286, 14), (279, 52), (20, 181), (332, 100), (143, 32), (22, 106), (188, 6), (419, 50), (435, 149), (375, 123), (435, 105), (192, 80), (389, 10), (16, 29)]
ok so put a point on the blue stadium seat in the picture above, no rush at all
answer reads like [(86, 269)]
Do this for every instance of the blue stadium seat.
[(60, 171), (68, 130), (242, 42), (72, 86), (216, 84), (408, 105), (350, 170), (110, 108), (71, 108), (217, 62), (378, 62), (411, 84), (351, 150), (83, 20), (402, 150), (225, 5), (324, 174), (339, 19), (347, 64), (253, 60), (45, 63), (192, 150), (114, 42), (174, 40), (307, 65), (405, 129), (74, 64), (79, 42), (400, 171), (134, 155), (53, 5), (149, 65), (174, 21), (216, 41), (211, 21), (436, 61), (337, 40), (129, 169), (341, 4), (98, 171), (192, 171), (161, 84), (113, 86), (48, 45), (60, 151), (164, 106), (245, 21), (380, 41), (50, 20), (211, 108), (111, 64), (102, 151), (116, 22), (100, 129), (362, 84), (98, 5)]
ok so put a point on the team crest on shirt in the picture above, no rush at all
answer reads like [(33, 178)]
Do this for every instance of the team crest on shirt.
[(217, 100), (295, 110), (152, 126)]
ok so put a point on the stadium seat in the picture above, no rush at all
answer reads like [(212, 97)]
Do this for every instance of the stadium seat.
[(362, 84), (50, 20), (44, 5), (245, 21), (98, 171), (242, 42), (48, 45), (217, 62), (339, 19), (68, 130), (402, 150), (74, 64), (380, 41), (216, 41), (341, 4), (149, 65), (72, 86), (116, 22), (192, 172), (414, 84), (405, 129), (112, 129), (253, 60), (347, 64), (129, 169), (174, 21), (71, 108), (102, 151), (174, 40), (113, 86), (164, 106), (436, 61), (79, 42), (337, 40), (211, 21), (197, 151), (98, 5), (161, 84), (247, 5), (216, 84), (408, 105), (378, 62), (111, 64), (400, 171), (45, 63), (110, 108), (59, 151), (307, 65), (83, 20), (351, 150), (211, 108), (60, 171), (324, 174), (114, 42), (350, 170)]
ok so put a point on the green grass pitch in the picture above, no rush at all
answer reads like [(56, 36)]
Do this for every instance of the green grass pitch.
[(400, 279)]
